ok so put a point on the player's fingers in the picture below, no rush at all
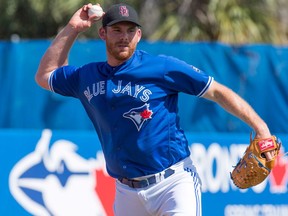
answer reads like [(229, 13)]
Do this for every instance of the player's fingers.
[(269, 155), (87, 6)]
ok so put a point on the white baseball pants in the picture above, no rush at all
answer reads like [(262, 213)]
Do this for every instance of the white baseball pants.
[(177, 195)]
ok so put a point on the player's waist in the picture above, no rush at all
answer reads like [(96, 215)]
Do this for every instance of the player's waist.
[(144, 181)]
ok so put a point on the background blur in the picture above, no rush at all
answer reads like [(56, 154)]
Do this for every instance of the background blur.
[(227, 21), (51, 159)]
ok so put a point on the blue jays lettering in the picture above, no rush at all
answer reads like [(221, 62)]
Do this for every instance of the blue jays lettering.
[(133, 90)]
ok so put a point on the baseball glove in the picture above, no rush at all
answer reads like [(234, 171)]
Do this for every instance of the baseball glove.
[(253, 168)]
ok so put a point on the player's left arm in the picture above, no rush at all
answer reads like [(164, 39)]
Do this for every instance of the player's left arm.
[(237, 106)]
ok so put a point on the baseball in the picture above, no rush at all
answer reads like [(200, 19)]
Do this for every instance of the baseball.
[(95, 10)]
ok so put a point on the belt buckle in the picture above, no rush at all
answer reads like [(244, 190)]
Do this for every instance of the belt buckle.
[(137, 184), (145, 182), (168, 173)]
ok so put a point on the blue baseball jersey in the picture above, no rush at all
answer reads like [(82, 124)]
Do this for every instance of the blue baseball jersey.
[(133, 108)]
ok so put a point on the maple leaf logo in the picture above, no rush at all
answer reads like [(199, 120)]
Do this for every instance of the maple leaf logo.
[(146, 114)]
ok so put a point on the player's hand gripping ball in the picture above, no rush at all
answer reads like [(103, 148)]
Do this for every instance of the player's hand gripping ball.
[(253, 168), (97, 11)]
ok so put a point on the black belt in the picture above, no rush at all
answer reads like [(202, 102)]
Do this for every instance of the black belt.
[(148, 181)]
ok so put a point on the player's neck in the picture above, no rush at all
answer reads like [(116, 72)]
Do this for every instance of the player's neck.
[(114, 62)]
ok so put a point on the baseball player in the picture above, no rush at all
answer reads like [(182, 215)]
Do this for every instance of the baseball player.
[(131, 100)]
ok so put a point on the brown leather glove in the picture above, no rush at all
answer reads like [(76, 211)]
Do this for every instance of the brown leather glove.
[(253, 168)]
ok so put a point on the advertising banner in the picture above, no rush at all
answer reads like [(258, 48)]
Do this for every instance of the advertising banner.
[(53, 172)]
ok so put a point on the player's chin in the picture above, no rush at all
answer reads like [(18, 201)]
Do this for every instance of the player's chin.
[(124, 54), (123, 49)]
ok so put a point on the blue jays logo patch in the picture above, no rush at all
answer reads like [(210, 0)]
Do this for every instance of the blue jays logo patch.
[(196, 69), (139, 115)]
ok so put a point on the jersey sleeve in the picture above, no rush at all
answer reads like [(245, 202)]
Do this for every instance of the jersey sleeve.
[(182, 77), (64, 81)]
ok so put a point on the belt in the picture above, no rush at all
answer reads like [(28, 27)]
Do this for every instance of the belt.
[(148, 181)]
